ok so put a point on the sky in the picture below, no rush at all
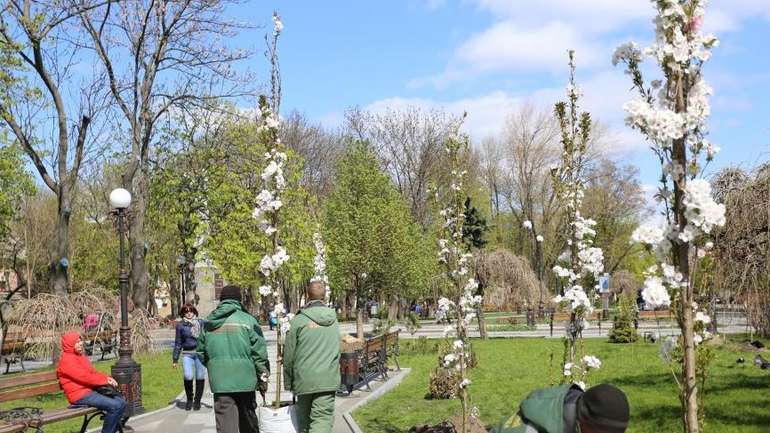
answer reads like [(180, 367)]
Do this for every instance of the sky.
[(488, 57)]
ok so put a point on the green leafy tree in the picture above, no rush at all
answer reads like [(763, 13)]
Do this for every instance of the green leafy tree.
[(375, 247), (15, 184), (234, 239)]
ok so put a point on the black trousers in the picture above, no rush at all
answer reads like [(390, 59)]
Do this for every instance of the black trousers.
[(235, 412)]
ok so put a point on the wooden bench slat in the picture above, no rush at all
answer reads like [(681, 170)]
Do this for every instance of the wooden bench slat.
[(63, 414), (18, 394), (26, 379), (12, 428)]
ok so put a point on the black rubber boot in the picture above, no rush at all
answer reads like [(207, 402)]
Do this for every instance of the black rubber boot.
[(199, 386), (188, 390)]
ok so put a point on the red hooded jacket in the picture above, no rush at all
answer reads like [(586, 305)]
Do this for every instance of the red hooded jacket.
[(77, 376)]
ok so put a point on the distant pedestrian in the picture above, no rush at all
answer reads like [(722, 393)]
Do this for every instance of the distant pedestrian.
[(272, 320), (311, 361), (188, 331), (80, 382), (234, 351), (567, 409)]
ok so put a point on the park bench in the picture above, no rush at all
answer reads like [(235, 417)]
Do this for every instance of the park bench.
[(106, 340), (373, 359), (23, 386), (562, 317), (13, 348), (655, 315), (101, 336), (369, 362), (652, 315), (391, 348)]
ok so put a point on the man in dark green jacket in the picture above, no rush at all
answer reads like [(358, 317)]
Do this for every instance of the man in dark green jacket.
[(233, 350), (567, 409), (311, 362)]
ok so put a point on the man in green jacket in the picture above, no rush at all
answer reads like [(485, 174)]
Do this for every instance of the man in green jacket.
[(567, 409), (311, 362), (233, 350)]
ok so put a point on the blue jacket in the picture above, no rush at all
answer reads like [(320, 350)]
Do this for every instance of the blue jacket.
[(184, 339)]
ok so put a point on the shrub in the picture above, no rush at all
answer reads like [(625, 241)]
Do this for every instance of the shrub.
[(623, 330), (444, 383), (412, 323)]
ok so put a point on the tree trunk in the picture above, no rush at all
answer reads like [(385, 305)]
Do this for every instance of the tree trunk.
[(59, 248), (360, 318), (681, 253), (360, 322), (139, 277), (173, 294), (393, 310), (482, 324), (345, 307)]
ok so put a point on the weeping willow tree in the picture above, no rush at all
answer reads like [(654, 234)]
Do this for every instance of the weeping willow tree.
[(741, 253), (508, 280)]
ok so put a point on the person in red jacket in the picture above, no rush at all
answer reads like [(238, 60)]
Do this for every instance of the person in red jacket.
[(79, 380)]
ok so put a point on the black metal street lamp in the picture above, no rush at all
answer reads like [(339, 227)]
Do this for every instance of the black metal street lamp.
[(127, 372), (180, 262)]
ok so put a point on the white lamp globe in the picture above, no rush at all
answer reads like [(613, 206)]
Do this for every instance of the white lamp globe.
[(120, 198)]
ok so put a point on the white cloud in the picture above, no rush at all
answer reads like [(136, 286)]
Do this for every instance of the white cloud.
[(588, 15), (605, 92), (527, 36), (486, 113), (508, 46)]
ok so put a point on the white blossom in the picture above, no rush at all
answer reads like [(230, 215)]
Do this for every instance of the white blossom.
[(702, 317), (627, 52), (649, 233), (655, 293), (527, 224), (592, 361), (277, 24)]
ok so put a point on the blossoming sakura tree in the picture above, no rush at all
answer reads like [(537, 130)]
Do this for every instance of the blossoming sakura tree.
[(671, 112), (319, 263), (269, 201), (585, 260), (456, 259)]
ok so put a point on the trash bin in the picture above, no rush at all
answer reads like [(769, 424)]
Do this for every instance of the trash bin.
[(349, 368)]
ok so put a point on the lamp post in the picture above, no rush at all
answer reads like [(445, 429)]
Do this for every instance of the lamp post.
[(126, 371), (180, 262)]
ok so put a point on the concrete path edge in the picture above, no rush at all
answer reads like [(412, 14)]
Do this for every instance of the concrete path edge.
[(392, 382)]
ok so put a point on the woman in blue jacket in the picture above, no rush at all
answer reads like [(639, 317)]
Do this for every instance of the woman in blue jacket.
[(187, 332)]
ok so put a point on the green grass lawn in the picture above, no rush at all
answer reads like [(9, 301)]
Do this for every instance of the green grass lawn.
[(737, 399), (160, 385)]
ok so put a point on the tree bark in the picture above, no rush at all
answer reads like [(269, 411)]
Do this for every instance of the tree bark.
[(393, 310), (59, 248), (681, 252), (136, 239), (482, 324), (360, 318)]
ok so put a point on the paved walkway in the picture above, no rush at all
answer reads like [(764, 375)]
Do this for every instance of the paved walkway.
[(175, 419)]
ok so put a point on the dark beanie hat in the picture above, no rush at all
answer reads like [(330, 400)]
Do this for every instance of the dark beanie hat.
[(230, 292), (603, 409)]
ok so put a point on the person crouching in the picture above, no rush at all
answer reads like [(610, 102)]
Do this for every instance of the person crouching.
[(568, 409)]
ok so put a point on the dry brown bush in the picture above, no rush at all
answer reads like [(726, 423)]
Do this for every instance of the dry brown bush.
[(508, 280), (43, 319), (624, 282)]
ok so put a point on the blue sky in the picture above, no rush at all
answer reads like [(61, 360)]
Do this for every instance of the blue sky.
[(490, 56)]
